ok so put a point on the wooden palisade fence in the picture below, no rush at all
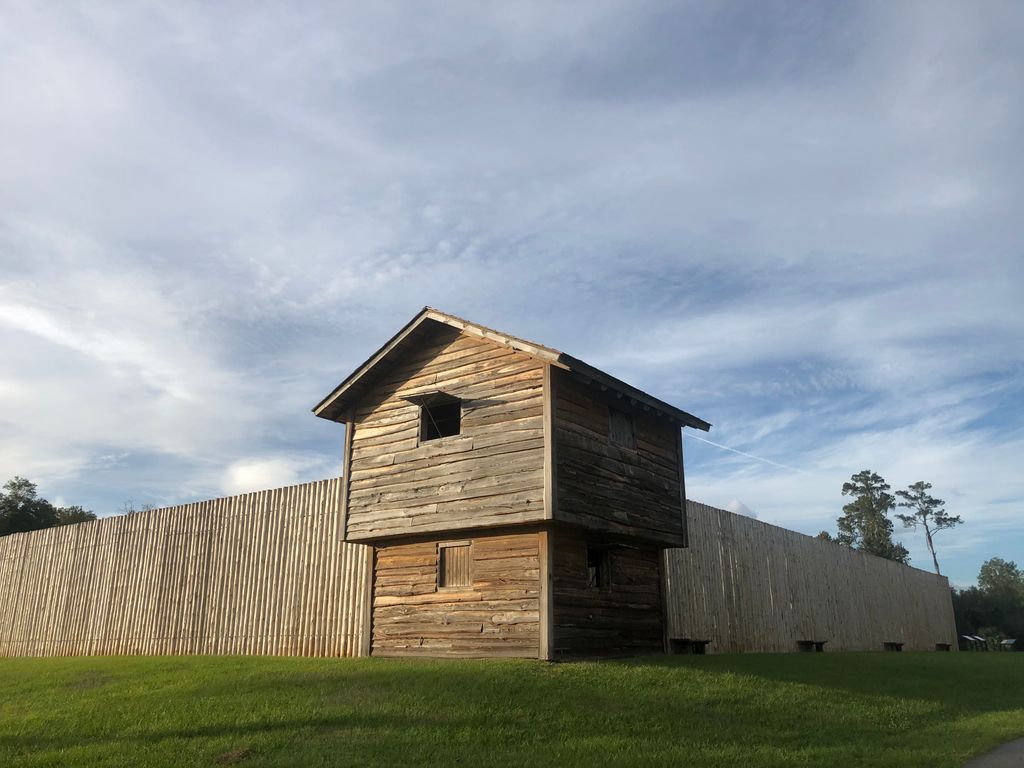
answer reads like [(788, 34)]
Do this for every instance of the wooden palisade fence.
[(260, 573), (745, 585), (269, 573)]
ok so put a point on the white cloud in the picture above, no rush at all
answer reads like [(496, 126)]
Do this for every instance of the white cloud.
[(804, 229), (256, 474), (738, 507)]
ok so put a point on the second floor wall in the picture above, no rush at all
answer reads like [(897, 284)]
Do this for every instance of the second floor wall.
[(403, 481), (618, 467)]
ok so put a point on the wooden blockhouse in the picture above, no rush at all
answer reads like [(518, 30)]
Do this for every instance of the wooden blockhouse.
[(499, 499), (517, 500)]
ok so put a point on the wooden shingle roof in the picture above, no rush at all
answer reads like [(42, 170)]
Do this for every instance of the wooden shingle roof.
[(334, 406)]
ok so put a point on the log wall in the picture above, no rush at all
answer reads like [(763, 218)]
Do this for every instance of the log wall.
[(261, 573), (497, 615), (606, 487), (622, 617), (748, 586), (491, 474)]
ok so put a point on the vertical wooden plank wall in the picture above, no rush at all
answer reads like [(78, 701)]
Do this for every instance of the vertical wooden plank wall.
[(264, 573), (749, 586)]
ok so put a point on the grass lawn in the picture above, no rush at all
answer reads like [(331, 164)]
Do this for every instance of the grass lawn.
[(926, 709)]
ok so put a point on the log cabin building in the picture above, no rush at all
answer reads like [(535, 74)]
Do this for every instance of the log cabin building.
[(517, 500)]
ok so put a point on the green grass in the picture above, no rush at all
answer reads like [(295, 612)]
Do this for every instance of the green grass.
[(757, 710)]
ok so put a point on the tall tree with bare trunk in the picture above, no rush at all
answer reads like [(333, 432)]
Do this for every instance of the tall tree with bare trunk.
[(927, 512)]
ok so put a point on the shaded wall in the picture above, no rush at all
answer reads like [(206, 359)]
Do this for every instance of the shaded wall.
[(748, 586), (261, 573), (621, 618), (607, 487)]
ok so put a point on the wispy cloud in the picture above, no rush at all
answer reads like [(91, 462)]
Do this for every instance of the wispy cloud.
[(798, 221)]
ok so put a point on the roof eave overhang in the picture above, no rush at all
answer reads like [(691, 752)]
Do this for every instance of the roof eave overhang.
[(331, 406), (636, 397)]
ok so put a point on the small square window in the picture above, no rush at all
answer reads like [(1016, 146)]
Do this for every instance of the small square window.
[(620, 428), (454, 565), (598, 576), (440, 419)]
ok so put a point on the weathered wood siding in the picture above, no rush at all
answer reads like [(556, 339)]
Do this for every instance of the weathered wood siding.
[(492, 474), (748, 586), (499, 615), (261, 573), (268, 573), (603, 486), (621, 620)]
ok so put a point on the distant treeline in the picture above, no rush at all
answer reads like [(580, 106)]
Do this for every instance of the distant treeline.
[(23, 509), (995, 608)]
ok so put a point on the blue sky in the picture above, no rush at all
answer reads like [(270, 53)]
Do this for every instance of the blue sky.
[(800, 221)]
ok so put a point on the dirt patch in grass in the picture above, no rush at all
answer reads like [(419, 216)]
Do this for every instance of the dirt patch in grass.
[(91, 680), (233, 757)]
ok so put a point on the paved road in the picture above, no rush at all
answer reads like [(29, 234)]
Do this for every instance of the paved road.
[(1010, 755)]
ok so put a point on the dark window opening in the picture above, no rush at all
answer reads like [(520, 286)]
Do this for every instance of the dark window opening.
[(454, 565), (811, 646), (892, 646), (598, 576), (620, 428), (943, 646), (685, 646), (440, 419)]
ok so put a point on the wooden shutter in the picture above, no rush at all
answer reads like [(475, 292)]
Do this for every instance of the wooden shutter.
[(454, 565), (620, 428)]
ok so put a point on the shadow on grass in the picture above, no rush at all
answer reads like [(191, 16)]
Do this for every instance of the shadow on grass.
[(367, 723), (964, 682)]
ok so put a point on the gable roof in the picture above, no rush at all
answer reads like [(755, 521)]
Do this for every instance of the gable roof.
[(337, 402)]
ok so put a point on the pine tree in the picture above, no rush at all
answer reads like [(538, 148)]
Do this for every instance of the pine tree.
[(865, 523), (928, 512)]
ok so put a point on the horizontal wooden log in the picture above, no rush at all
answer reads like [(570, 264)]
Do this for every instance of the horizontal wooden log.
[(499, 609), (490, 474), (611, 488), (602, 620)]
